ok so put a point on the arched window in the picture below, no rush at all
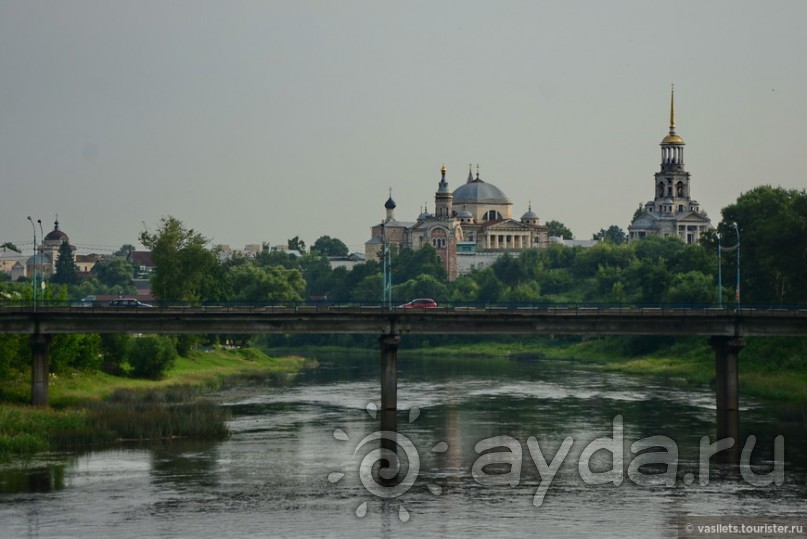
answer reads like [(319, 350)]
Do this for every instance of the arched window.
[(492, 215)]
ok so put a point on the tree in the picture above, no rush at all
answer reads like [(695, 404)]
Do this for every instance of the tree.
[(408, 264), (613, 234), (66, 269), (182, 263), (558, 229), (113, 271), (11, 247), (150, 356), (296, 244), (275, 283), (125, 251), (772, 223), (328, 246)]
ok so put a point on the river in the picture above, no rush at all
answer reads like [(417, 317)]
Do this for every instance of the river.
[(293, 465)]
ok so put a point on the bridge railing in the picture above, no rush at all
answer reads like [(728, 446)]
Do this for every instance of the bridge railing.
[(566, 309)]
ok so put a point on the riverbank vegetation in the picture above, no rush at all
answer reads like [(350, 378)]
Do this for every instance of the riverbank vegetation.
[(771, 368), (94, 408)]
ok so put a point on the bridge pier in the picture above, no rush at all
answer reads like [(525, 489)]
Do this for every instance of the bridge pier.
[(727, 351), (389, 385), (40, 353)]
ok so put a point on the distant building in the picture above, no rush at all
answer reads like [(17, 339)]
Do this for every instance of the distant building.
[(673, 211), (471, 227)]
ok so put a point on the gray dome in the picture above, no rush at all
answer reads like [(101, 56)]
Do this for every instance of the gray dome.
[(529, 216), (477, 191), (390, 204), (465, 214)]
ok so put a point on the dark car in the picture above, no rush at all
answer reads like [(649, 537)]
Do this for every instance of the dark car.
[(128, 302), (420, 303)]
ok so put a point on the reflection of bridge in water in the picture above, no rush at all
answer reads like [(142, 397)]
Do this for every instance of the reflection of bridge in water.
[(725, 329)]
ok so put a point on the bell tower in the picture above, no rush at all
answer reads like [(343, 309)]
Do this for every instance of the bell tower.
[(443, 197), (672, 180)]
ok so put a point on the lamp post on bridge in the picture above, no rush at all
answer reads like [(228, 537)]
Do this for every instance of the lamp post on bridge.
[(737, 293), (719, 274), (42, 269), (386, 285), (33, 281)]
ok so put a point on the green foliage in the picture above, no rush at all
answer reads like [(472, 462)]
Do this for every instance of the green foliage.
[(328, 246), (613, 234), (15, 354), (113, 352), (183, 266), (114, 271), (772, 223), (296, 244), (185, 342), (408, 264), (66, 269), (78, 351), (422, 286), (251, 282), (125, 251), (691, 287), (368, 290), (150, 356), (558, 229)]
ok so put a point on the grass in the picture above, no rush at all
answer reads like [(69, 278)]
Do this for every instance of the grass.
[(771, 368), (89, 409)]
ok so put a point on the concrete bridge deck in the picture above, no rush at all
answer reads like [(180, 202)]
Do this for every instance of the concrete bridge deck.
[(373, 319), (726, 329)]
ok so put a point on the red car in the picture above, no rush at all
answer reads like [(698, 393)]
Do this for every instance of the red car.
[(420, 303)]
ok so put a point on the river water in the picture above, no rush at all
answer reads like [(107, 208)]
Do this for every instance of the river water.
[(292, 467)]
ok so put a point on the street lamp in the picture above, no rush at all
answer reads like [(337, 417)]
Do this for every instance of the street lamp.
[(737, 296), (386, 286), (33, 283), (719, 273)]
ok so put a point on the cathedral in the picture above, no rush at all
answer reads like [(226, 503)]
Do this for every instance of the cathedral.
[(470, 227), (673, 211)]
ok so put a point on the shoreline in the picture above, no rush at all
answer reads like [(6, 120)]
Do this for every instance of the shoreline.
[(92, 409)]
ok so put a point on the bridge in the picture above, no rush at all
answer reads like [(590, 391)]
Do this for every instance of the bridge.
[(726, 329)]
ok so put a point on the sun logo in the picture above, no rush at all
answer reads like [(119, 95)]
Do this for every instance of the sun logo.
[(377, 478)]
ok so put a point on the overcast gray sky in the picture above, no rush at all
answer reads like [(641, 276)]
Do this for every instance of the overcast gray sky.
[(255, 121)]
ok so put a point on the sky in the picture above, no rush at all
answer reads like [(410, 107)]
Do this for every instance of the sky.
[(257, 121)]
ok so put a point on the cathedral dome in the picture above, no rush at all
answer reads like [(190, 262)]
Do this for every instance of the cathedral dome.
[(672, 138), (529, 216), (390, 204), (56, 234), (477, 192)]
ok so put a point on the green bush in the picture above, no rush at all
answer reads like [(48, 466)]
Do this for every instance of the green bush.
[(150, 356), (113, 350)]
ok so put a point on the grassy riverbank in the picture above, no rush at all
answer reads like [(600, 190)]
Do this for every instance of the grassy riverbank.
[(93, 408), (771, 368)]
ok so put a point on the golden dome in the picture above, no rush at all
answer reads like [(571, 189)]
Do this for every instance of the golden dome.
[(672, 138)]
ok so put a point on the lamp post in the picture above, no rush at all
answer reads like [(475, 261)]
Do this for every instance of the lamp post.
[(386, 286), (42, 269), (719, 273), (33, 282), (737, 296)]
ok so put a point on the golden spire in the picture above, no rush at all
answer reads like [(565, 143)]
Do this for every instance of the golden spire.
[(672, 109)]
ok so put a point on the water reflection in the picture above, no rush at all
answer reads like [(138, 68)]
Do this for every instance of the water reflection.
[(272, 476)]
